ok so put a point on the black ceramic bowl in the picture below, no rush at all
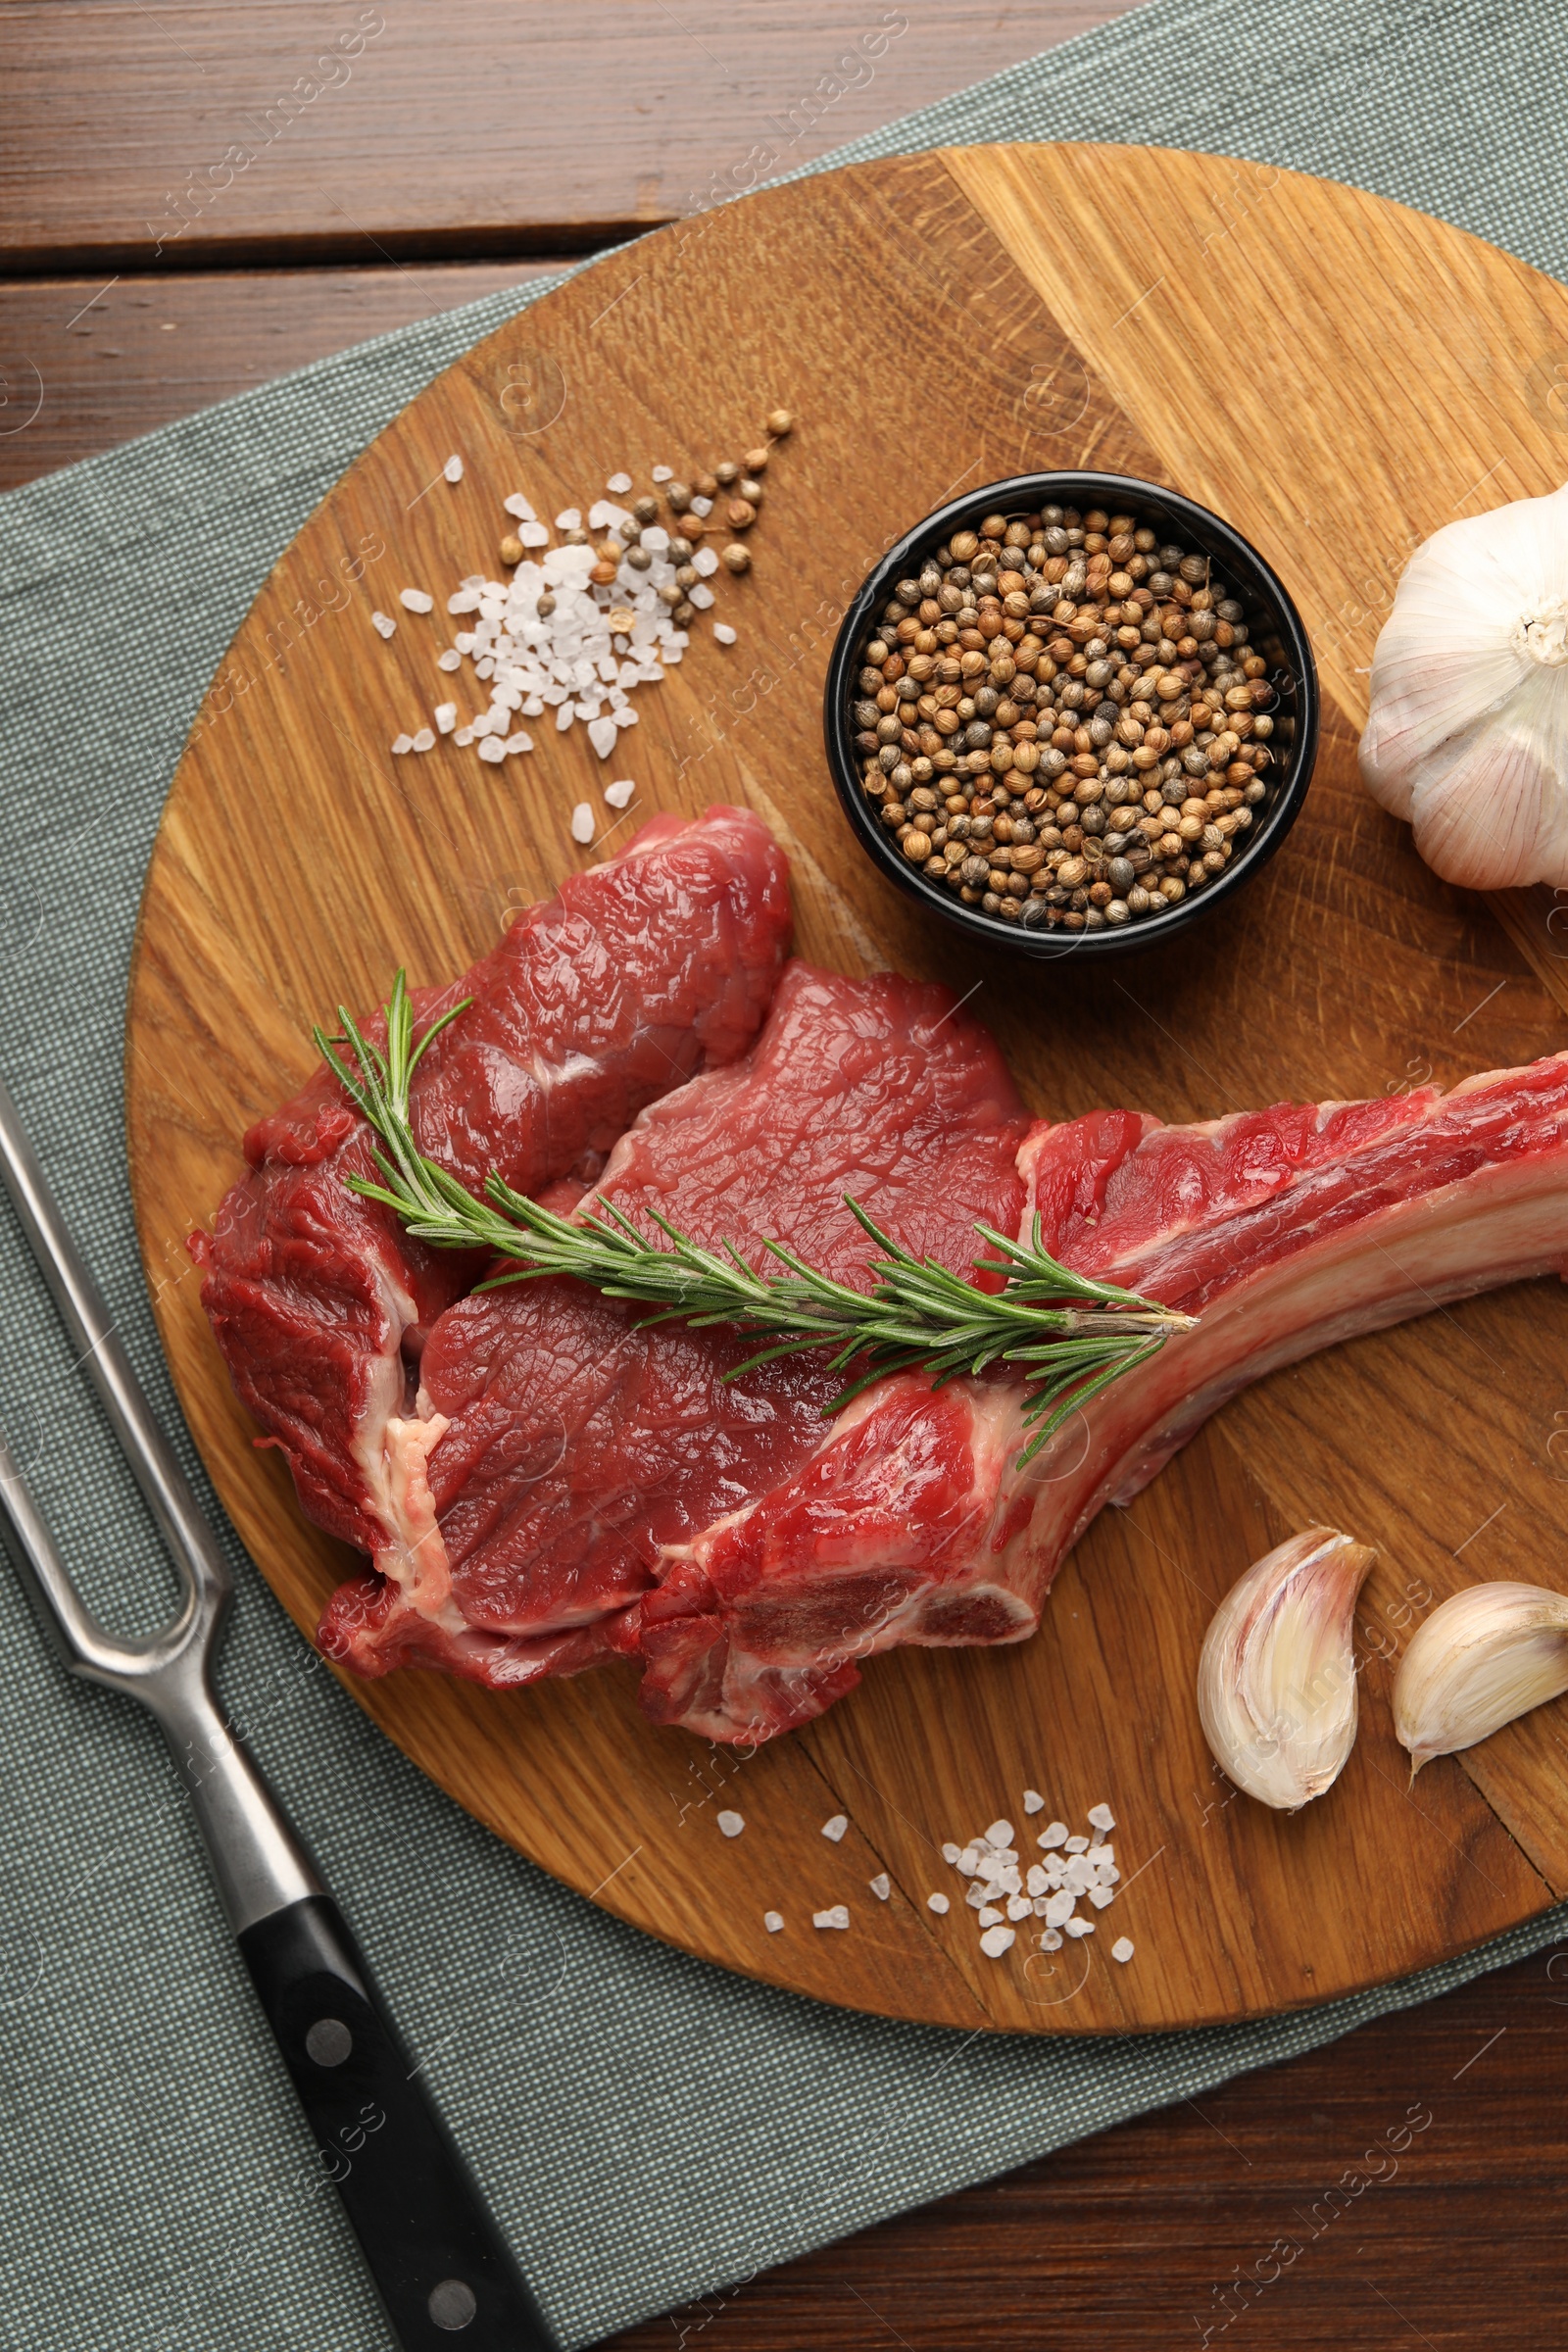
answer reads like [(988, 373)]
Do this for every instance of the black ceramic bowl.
[(1274, 628)]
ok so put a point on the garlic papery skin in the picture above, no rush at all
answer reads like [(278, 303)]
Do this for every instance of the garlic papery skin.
[(1467, 736), (1484, 1657), (1276, 1680)]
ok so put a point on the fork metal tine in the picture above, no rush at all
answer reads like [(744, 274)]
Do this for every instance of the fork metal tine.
[(191, 1543)]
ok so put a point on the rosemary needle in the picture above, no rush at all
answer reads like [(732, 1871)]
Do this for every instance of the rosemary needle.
[(1072, 1335)]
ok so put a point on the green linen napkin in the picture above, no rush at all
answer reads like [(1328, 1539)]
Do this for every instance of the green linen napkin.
[(648, 2128)]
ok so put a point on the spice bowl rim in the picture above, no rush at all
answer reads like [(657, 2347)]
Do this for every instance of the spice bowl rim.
[(1065, 487)]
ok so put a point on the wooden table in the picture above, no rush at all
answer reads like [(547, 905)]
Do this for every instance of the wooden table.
[(1400, 2187)]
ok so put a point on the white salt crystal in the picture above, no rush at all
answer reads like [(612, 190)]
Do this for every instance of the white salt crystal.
[(1036, 1881), (402, 744), (1099, 1896), (989, 1916), (837, 1917), (663, 474), (564, 718), (445, 715), (570, 518), (702, 505), (518, 506), (1000, 1833), (699, 597), (978, 1896), (535, 534), (836, 1827), (1100, 1857), (1059, 1908), (656, 539), (881, 1887), (773, 1922), (731, 1824), (951, 1852), (1051, 1940), (425, 741), (1033, 1801), (1101, 1817), (1019, 1906), (453, 469), (582, 823), (493, 749), (1122, 1949), (1040, 1904), (1077, 1927), (450, 659), (937, 1903), (704, 563), (968, 1861), (623, 719), (1077, 1845), (415, 600), (997, 1940), (520, 743), (723, 632), (602, 733), (619, 793), (383, 624), (620, 483), (1055, 1834), (464, 737)]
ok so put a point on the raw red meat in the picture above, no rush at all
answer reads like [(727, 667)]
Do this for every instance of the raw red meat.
[(640, 974), (569, 1460), (1285, 1230)]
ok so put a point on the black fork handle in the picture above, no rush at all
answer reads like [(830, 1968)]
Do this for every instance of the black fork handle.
[(443, 2270)]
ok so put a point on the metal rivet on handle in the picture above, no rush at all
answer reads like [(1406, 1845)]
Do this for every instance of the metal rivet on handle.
[(452, 2305), (328, 2041)]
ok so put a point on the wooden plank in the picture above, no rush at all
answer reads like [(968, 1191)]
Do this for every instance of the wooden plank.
[(217, 137), (87, 364), (1398, 2189), (297, 865)]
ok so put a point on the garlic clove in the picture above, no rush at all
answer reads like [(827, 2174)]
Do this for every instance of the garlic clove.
[(1276, 1679), (1484, 1657)]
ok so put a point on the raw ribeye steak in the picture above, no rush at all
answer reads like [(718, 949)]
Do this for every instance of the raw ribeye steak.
[(1284, 1230), (567, 1458), (640, 974)]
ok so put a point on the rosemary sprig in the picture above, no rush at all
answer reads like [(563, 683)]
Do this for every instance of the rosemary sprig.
[(1072, 1335)]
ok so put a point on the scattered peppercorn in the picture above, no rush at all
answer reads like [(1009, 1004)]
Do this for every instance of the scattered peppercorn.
[(1062, 719)]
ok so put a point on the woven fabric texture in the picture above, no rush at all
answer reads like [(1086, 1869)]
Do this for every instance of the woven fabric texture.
[(648, 2129)]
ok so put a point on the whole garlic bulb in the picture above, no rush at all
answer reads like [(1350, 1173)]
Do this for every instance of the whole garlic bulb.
[(1467, 739), (1276, 1678)]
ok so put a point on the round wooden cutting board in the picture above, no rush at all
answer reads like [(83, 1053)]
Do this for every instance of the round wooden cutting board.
[(1338, 376)]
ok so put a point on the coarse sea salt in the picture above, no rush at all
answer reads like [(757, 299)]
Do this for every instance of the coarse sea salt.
[(1101, 1817), (492, 749), (402, 744), (1055, 1832), (837, 1917), (773, 1922), (383, 624), (452, 468), (835, 1827), (1122, 1949), (731, 1824), (663, 474), (582, 823), (723, 632), (515, 504), (1000, 1833), (445, 715), (449, 661), (415, 600), (938, 1903), (620, 483), (997, 1940), (425, 741), (881, 1887), (569, 519), (1033, 1801), (619, 794)]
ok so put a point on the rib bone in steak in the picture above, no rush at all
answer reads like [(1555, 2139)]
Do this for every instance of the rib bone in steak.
[(640, 974)]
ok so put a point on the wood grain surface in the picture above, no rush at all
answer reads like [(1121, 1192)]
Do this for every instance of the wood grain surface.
[(1402, 2187), (199, 136), (298, 864)]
